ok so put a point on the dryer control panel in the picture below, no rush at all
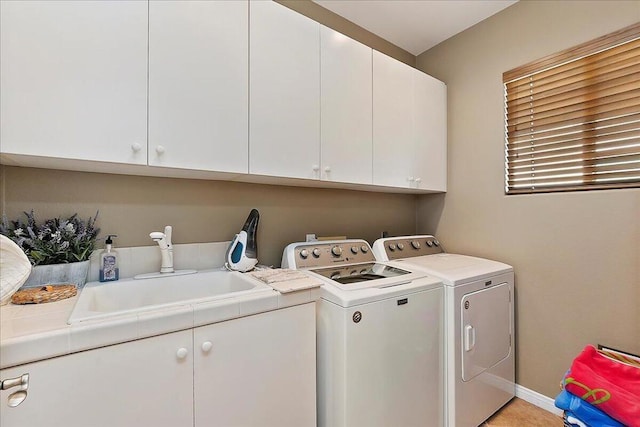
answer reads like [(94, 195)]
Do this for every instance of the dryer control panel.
[(390, 248)]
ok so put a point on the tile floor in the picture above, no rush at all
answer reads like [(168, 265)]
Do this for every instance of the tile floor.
[(519, 413)]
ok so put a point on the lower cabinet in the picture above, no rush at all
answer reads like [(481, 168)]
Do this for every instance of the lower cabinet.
[(141, 383), (252, 371), (257, 370)]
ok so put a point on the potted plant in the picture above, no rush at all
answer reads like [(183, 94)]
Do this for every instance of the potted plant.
[(58, 248)]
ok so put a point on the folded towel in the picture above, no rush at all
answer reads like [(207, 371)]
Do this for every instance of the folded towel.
[(620, 356), (611, 386), (584, 411), (269, 276), (284, 280), (570, 420)]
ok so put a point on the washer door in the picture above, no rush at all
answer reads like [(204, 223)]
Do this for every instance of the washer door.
[(486, 329)]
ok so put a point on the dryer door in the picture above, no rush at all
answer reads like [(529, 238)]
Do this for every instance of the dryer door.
[(486, 329)]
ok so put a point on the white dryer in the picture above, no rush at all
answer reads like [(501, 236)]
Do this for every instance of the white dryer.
[(479, 324)]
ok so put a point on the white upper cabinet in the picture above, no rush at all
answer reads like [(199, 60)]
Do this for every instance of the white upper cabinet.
[(284, 105), (74, 79), (393, 134), (346, 145), (409, 127), (430, 123), (198, 85), (246, 87)]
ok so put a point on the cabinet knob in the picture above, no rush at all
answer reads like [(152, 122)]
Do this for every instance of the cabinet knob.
[(315, 168), (182, 353), (327, 169), (418, 180), (410, 179), (207, 346), (160, 149), (136, 147), (18, 396)]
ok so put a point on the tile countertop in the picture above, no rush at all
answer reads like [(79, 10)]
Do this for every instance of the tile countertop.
[(35, 332)]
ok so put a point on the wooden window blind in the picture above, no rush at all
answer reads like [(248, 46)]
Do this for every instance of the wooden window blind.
[(573, 118)]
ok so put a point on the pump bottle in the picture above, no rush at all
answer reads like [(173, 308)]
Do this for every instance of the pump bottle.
[(109, 270)]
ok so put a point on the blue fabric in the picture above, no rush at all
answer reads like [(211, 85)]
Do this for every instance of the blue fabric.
[(584, 411)]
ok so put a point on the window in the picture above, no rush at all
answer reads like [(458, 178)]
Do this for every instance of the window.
[(573, 118)]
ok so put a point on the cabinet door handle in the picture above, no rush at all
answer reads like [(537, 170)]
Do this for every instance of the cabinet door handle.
[(182, 353), (136, 147), (18, 396), (22, 381), (160, 149), (207, 346), (327, 169), (418, 180)]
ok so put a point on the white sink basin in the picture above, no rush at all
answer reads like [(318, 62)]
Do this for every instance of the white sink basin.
[(98, 300)]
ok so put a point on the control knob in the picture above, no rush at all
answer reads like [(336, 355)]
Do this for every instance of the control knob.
[(400, 246), (436, 243), (354, 250), (392, 247), (364, 249), (336, 250), (316, 252), (415, 244), (304, 254), (429, 243)]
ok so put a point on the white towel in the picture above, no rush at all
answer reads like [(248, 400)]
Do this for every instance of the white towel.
[(285, 280)]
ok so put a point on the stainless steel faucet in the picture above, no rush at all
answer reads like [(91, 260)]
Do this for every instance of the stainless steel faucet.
[(166, 248)]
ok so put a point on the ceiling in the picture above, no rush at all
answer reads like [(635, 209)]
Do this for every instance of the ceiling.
[(415, 25)]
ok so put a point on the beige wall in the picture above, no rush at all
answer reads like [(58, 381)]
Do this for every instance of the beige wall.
[(576, 255), (348, 28), (204, 211)]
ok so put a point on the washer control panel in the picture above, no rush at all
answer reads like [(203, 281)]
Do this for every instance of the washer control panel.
[(328, 253), (406, 247)]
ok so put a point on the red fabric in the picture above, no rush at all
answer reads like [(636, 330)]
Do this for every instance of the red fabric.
[(610, 386)]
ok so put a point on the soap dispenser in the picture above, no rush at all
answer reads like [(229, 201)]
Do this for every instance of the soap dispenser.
[(109, 270)]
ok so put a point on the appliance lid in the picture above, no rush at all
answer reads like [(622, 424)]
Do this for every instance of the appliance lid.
[(455, 269), (353, 274), (369, 291), (350, 273)]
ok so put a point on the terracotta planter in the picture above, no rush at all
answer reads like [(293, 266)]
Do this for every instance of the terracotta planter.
[(74, 272)]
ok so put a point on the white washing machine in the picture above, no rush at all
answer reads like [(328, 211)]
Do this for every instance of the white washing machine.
[(380, 338), (479, 324)]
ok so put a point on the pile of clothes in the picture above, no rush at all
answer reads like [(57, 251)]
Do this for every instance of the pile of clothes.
[(601, 389)]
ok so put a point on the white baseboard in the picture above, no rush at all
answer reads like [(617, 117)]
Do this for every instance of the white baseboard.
[(535, 398)]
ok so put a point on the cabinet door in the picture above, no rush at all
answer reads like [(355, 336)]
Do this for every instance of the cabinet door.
[(257, 371), (198, 85), (74, 79), (142, 383), (430, 124), (393, 141), (284, 107), (346, 109)]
